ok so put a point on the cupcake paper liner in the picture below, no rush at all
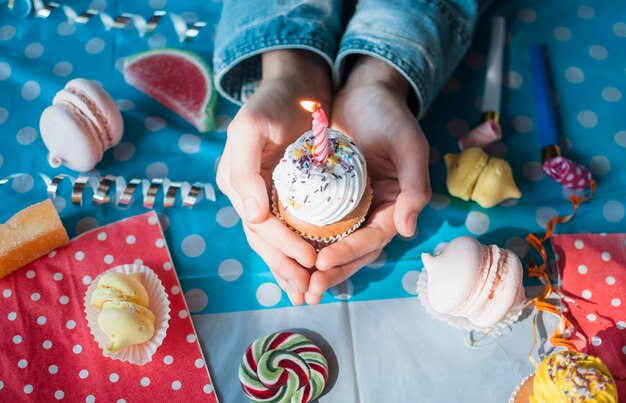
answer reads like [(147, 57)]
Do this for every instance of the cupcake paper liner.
[(317, 242), (460, 322), (518, 387), (138, 354)]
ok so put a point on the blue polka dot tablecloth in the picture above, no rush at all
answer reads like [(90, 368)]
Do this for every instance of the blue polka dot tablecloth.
[(586, 42)]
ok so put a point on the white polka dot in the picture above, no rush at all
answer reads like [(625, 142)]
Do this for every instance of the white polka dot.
[(191, 338), (35, 296), (222, 122), (343, 291), (83, 374), (619, 29), (6, 32), (64, 299), (175, 290), (130, 239), (586, 12), (53, 369), (579, 244), (611, 94), (477, 223), (621, 325), (22, 363), (610, 280), (31, 90), (11, 316), (145, 381), (596, 341), (586, 294), (574, 75), (189, 143), (159, 243), (90, 399), (598, 52), (457, 127), (77, 349), (587, 119), (157, 170), (582, 269), (28, 389), (157, 3), (66, 28), (475, 60), (452, 85), (532, 171), (207, 389), (5, 71), (522, 124), (41, 320), (227, 217), (591, 317), (197, 300), (616, 302), (183, 314), (80, 255), (164, 220), (94, 45), (168, 359), (124, 151), (58, 276), (27, 136), (33, 50), (114, 377), (63, 69), (17, 339), (409, 282), (23, 183), (562, 33), (157, 41), (30, 274), (230, 270), (167, 266), (606, 256), (527, 15), (86, 224), (47, 345), (70, 324), (613, 211), (7, 293), (517, 245), (154, 123), (379, 262), (153, 220), (513, 79), (176, 385), (138, 262), (4, 114), (193, 245), (620, 138), (268, 294), (439, 201), (199, 363), (125, 104), (108, 259)]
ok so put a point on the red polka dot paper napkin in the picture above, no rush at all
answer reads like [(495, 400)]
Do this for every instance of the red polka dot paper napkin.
[(593, 273), (47, 351)]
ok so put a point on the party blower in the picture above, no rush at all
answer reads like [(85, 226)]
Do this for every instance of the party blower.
[(489, 130), (563, 170)]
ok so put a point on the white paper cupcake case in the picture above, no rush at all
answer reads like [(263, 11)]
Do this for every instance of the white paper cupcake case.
[(519, 386), (139, 354), (459, 322)]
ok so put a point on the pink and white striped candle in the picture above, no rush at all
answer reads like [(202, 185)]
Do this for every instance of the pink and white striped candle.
[(320, 124)]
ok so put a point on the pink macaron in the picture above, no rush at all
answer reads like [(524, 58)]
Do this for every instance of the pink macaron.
[(473, 281), (80, 125)]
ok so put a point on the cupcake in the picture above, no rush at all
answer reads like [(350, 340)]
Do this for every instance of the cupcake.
[(321, 188), (568, 377), (472, 286)]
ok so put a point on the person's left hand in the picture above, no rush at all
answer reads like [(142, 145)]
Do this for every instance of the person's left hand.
[(371, 108)]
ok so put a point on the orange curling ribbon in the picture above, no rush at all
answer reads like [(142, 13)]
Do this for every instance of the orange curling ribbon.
[(539, 271)]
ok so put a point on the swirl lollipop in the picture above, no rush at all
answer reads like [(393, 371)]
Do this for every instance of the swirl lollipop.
[(283, 367)]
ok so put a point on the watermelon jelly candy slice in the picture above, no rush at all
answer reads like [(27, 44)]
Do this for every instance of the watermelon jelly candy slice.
[(178, 79)]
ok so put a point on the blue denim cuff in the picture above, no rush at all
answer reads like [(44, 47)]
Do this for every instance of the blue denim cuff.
[(424, 40), (242, 35)]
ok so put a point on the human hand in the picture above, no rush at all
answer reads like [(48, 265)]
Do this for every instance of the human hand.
[(256, 140), (372, 109)]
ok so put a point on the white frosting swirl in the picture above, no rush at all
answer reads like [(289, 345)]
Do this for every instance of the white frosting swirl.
[(321, 194)]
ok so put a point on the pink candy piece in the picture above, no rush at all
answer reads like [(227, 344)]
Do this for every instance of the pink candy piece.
[(567, 173), (481, 136)]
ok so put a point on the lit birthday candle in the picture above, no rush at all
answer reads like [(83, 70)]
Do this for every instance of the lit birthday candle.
[(319, 126)]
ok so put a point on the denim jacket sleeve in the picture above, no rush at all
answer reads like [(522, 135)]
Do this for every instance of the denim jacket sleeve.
[(248, 28), (423, 39)]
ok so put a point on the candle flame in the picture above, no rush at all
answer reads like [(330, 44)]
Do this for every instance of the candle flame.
[(310, 105)]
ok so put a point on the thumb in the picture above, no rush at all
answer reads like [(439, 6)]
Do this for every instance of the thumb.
[(411, 161)]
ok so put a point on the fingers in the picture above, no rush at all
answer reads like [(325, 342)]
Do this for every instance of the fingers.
[(411, 161), (245, 150), (291, 277), (321, 281), (377, 232)]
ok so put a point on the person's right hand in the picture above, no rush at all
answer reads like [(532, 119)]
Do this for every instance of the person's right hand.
[(256, 140)]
